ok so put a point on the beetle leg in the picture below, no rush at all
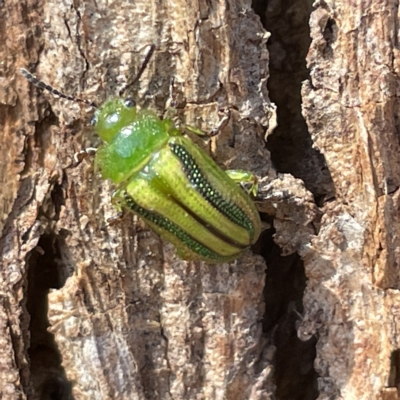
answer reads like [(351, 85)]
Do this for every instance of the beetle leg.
[(116, 202), (114, 220), (213, 132), (243, 177), (83, 154), (174, 105), (221, 125)]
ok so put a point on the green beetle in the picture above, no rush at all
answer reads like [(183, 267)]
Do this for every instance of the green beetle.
[(167, 180)]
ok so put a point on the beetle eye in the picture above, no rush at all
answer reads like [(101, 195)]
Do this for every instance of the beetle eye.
[(130, 102), (93, 121)]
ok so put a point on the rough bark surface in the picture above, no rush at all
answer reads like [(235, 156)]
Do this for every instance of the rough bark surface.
[(95, 312), (352, 111), (126, 317)]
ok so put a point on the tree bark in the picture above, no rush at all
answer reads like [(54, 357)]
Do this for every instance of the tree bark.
[(91, 311), (95, 312), (351, 108)]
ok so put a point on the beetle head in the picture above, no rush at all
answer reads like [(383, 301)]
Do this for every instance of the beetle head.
[(112, 116)]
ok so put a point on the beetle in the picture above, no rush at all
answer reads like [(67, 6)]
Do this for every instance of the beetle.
[(170, 182)]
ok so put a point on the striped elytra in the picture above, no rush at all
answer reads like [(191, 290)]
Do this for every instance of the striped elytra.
[(199, 180)]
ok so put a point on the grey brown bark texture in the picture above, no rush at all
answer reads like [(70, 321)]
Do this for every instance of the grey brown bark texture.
[(89, 311)]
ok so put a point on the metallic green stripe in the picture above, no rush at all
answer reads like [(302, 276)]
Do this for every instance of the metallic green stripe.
[(197, 178), (171, 227)]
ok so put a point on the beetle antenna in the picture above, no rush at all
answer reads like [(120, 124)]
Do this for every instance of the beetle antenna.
[(41, 85), (141, 70)]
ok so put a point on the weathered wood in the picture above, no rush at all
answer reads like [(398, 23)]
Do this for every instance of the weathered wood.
[(351, 108), (127, 318)]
